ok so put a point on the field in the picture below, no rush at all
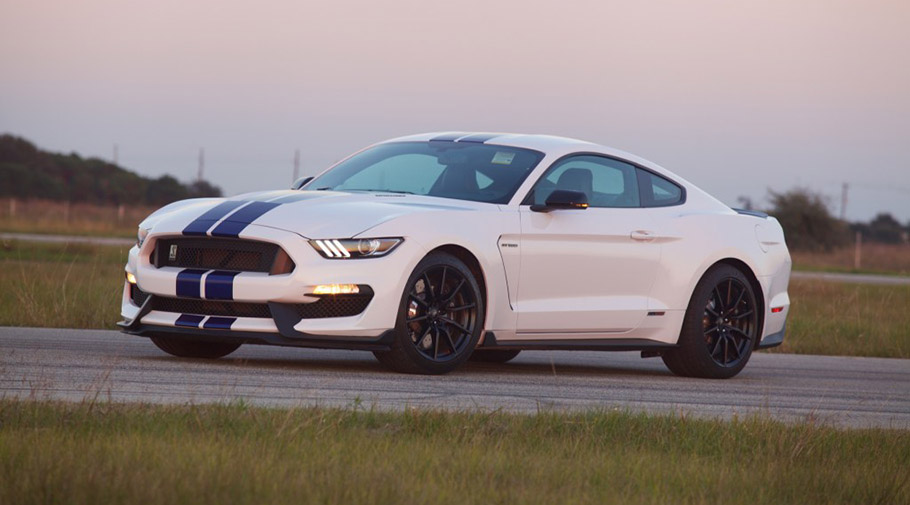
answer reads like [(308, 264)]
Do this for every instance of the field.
[(888, 259), (79, 286), (97, 453), (50, 217)]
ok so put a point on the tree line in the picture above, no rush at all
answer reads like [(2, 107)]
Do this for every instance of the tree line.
[(809, 225), (27, 171)]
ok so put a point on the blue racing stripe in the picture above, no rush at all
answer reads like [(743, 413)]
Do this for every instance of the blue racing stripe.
[(189, 283), (219, 323), (219, 285), (208, 219), (448, 137), (236, 222), (189, 320), (480, 138)]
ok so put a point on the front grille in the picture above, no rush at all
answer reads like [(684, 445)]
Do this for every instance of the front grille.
[(222, 254), (211, 307), (137, 295), (334, 306), (337, 306)]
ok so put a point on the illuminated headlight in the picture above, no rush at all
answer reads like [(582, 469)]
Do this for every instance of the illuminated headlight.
[(355, 248), (130, 278), (140, 236)]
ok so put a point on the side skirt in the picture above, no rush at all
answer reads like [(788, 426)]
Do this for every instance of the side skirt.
[(605, 344)]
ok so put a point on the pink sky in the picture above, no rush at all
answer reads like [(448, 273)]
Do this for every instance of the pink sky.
[(736, 97)]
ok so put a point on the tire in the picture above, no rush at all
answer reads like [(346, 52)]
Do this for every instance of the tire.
[(720, 327), (187, 348), (440, 318), (494, 355)]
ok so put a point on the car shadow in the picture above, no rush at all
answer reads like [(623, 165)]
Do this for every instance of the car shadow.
[(359, 362)]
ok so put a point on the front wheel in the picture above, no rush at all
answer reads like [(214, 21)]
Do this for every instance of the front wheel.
[(720, 327), (188, 348), (440, 318)]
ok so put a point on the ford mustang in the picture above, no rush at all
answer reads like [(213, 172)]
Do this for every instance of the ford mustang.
[(433, 249)]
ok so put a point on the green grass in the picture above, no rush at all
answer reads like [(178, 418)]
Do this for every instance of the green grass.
[(848, 319), (115, 453), (60, 286), (79, 286)]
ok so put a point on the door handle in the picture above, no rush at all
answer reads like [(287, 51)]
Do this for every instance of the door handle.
[(643, 235)]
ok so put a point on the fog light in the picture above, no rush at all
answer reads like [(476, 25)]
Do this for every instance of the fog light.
[(336, 289), (130, 278)]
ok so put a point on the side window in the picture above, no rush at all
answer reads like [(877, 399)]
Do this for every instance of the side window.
[(657, 191), (607, 182)]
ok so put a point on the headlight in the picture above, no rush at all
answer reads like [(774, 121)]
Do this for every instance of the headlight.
[(355, 248), (140, 236)]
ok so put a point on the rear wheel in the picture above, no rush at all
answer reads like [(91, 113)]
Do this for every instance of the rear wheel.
[(440, 318), (494, 355), (720, 327), (188, 348)]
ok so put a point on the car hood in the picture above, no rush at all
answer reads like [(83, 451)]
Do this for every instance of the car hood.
[(311, 214)]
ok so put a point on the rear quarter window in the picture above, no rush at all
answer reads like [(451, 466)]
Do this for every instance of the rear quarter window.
[(658, 191)]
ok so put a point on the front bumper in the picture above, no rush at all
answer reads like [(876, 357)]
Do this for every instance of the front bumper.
[(280, 324)]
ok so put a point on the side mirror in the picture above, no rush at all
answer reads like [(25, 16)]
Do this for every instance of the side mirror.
[(563, 199), (301, 182)]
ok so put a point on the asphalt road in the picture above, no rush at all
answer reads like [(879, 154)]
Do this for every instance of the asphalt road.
[(86, 365)]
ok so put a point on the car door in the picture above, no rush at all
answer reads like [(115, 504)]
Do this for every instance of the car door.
[(586, 272)]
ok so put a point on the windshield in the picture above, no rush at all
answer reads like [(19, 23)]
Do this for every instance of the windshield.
[(462, 170)]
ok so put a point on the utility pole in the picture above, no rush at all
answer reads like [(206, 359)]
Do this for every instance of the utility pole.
[(201, 164), (296, 165), (843, 201)]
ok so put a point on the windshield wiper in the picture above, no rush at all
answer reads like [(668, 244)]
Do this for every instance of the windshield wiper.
[(400, 192)]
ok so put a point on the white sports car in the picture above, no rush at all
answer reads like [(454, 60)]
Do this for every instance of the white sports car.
[(432, 249)]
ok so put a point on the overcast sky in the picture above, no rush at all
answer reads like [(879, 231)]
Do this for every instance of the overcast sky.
[(737, 97)]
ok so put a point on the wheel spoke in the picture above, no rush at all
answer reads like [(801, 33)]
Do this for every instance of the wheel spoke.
[(742, 293), (726, 350), (741, 332), (463, 307), (740, 316), (428, 287), (436, 344), (418, 318), (711, 311), (454, 292), (717, 342), (736, 348), (729, 294), (442, 283), (709, 330), (451, 343), (456, 325), (718, 300), (417, 299)]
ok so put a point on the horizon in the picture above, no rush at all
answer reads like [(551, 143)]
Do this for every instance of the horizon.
[(737, 99)]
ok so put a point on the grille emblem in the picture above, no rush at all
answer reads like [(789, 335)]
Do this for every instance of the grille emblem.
[(172, 255)]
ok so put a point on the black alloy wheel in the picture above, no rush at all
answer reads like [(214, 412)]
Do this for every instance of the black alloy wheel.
[(729, 322), (720, 328), (440, 319)]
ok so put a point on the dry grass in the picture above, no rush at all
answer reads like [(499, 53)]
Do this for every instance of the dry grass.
[(60, 286), (891, 259), (848, 319), (51, 217), (107, 453)]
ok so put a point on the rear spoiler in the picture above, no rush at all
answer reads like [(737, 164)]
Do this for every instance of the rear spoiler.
[(754, 213)]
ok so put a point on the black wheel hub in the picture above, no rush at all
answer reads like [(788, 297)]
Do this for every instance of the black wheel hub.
[(729, 322)]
